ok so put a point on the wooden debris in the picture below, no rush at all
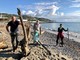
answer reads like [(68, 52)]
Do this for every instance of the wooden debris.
[(24, 42), (49, 53)]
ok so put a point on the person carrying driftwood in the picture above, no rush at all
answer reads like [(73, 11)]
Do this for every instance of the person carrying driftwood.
[(37, 31), (13, 24)]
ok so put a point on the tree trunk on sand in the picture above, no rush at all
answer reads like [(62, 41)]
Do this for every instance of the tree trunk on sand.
[(24, 42)]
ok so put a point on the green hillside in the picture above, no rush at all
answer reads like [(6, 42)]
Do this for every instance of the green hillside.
[(30, 18)]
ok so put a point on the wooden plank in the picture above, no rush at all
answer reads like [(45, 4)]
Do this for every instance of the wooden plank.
[(49, 53)]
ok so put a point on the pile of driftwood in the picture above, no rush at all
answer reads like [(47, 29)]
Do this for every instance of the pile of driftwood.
[(3, 44), (24, 41), (27, 36), (26, 33)]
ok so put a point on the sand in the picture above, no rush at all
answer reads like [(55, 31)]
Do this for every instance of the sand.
[(70, 50)]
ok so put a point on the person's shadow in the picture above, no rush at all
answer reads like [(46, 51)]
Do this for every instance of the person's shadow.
[(7, 53)]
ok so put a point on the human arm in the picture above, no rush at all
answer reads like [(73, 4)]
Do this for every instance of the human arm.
[(65, 29), (7, 28), (40, 30)]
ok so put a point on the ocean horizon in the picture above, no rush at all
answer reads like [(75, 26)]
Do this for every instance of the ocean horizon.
[(72, 26)]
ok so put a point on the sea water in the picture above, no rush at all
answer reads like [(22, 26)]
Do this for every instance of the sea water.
[(72, 26)]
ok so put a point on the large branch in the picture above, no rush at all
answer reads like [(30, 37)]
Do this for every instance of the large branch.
[(21, 19)]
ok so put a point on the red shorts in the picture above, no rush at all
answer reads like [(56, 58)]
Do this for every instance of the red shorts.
[(60, 35)]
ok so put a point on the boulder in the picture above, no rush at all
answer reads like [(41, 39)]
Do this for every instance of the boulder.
[(3, 45)]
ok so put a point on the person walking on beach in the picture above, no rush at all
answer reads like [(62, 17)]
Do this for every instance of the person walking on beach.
[(13, 24), (37, 31), (60, 35)]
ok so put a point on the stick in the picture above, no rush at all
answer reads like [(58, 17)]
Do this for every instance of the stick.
[(21, 19), (68, 33), (45, 48), (24, 45)]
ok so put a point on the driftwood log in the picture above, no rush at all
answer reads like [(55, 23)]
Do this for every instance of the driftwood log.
[(26, 32), (48, 52)]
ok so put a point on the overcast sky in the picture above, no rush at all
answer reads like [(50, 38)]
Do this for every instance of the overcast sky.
[(42, 8)]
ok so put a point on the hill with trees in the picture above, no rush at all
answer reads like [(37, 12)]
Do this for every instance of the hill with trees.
[(30, 18)]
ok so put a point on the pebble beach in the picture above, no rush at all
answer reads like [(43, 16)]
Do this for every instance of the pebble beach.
[(70, 50)]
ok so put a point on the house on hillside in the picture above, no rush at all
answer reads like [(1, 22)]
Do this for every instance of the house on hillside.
[(3, 18)]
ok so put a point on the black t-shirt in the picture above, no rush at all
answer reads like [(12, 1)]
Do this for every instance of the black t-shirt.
[(61, 29), (13, 26)]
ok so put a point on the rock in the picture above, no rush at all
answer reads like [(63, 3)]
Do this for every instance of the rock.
[(3, 45), (0, 58), (63, 58), (44, 59), (3, 59), (24, 58), (10, 58), (57, 55), (1, 49)]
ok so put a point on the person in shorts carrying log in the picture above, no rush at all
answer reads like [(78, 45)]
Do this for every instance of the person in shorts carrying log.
[(13, 24), (60, 35)]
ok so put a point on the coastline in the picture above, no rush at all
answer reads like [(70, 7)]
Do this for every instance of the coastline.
[(70, 50), (71, 47), (75, 36)]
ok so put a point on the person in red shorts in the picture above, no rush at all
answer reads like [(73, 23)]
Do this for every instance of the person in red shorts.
[(60, 35)]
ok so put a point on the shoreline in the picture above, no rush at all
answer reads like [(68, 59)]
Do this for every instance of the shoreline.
[(72, 35), (70, 25), (70, 50), (71, 47)]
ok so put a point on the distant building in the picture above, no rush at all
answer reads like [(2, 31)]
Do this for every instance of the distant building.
[(24, 20), (3, 18)]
